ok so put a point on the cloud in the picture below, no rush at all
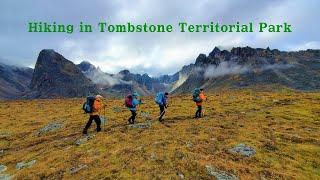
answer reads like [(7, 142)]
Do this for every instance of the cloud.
[(232, 68), (306, 45), (225, 68), (152, 53)]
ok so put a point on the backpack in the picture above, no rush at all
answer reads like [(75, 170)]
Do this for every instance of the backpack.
[(159, 98), (88, 105), (195, 95), (128, 101)]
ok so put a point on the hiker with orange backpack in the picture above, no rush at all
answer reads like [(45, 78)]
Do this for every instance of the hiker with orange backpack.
[(198, 97), (93, 106), (131, 102)]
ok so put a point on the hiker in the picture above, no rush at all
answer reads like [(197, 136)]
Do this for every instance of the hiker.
[(161, 100), (131, 102), (199, 97), (96, 105)]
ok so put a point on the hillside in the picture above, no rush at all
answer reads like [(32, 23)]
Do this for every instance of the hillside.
[(245, 67), (281, 127), (14, 81)]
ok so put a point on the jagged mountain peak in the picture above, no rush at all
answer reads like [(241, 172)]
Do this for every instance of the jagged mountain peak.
[(124, 72), (85, 66), (252, 66), (55, 76)]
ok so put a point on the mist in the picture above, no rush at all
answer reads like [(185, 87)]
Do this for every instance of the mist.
[(224, 68), (231, 68)]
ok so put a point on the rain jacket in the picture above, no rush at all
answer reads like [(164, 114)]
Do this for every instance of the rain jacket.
[(135, 103), (202, 97), (97, 106)]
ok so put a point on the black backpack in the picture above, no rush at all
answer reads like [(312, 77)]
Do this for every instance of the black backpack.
[(88, 105)]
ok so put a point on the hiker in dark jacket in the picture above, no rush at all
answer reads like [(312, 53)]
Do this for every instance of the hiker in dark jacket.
[(133, 109), (162, 101), (97, 106)]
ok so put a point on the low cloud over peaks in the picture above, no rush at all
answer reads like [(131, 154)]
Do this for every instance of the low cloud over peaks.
[(152, 53)]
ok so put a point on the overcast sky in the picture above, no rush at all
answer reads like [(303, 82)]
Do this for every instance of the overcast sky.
[(152, 53)]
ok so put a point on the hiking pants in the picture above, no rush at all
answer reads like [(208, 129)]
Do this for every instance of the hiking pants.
[(162, 112), (96, 119), (199, 111), (133, 116)]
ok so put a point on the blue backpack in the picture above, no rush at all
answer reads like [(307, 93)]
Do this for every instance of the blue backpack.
[(159, 98), (87, 106)]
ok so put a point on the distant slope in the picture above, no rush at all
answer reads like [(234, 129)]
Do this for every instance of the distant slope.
[(246, 66), (14, 81), (125, 82), (55, 76)]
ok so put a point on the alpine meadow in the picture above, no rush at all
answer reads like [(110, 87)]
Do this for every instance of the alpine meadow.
[(159, 89), (282, 127)]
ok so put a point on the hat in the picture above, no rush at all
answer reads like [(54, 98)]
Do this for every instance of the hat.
[(99, 96), (135, 94)]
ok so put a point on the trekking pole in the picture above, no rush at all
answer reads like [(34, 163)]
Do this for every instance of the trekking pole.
[(105, 118)]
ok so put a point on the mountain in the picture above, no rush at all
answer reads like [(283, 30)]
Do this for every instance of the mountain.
[(55, 76), (125, 82), (14, 81), (97, 76), (246, 66)]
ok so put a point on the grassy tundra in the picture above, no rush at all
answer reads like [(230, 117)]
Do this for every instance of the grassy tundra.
[(283, 127)]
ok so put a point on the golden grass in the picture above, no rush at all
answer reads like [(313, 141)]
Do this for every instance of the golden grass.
[(283, 127)]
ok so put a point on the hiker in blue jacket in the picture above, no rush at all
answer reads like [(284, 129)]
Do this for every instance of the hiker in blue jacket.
[(133, 109), (162, 100)]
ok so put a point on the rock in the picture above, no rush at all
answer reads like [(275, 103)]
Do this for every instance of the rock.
[(181, 176), (5, 177), (179, 155), (22, 165), (140, 148), (1, 151), (2, 168), (104, 120), (50, 127), (116, 109), (140, 125), (74, 170), (158, 144), (84, 139), (220, 175), (144, 114), (153, 156), (4, 135), (243, 150), (189, 144)]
